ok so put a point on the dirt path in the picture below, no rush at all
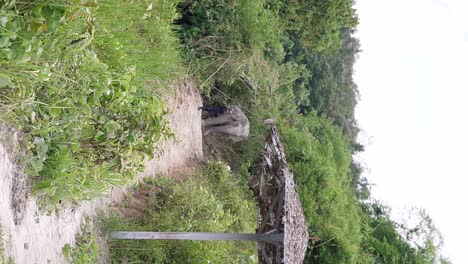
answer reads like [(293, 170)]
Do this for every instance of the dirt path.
[(39, 238)]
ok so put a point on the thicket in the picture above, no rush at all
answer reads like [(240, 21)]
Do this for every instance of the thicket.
[(211, 200), (81, 89)]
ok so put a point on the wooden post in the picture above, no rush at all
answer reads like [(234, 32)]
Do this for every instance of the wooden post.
[(196, 236)]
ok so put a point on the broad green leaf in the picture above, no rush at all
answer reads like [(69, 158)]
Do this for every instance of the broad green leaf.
[(150, 7), (3, 21), (37, 165), (85, 258), (100, 136), (4, 42), (41, 148), (4, 81), (112, 128), (66, 250)]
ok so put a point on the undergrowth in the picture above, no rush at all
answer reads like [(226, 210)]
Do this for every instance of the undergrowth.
[(79, 83), (212, 200)]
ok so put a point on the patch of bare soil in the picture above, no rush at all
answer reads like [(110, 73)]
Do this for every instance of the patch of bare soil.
[(35, 237), (136, 202)]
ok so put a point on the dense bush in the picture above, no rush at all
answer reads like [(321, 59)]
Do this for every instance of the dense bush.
[(328, 82)]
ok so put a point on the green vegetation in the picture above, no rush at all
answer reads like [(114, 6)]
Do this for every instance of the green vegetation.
[(142, 38), (293, 61), (86, 250), (320, 159), (70, 81), (212, 200), (81, 79), (317, 24)]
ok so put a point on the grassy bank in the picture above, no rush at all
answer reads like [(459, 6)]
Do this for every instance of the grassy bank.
[(81, 80)]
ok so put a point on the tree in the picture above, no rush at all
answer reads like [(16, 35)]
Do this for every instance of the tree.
[(416, 240), (420, 232)]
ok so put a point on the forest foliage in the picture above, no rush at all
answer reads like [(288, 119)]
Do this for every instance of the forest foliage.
[(294, 63)]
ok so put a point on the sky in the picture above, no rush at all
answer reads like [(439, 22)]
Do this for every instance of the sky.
[(412, 76)]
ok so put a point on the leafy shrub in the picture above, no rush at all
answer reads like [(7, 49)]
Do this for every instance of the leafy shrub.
[(86, 250)]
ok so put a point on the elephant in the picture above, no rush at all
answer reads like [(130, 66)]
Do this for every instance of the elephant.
[(232, 122)]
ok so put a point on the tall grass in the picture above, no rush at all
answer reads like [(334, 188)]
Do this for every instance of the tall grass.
[(141, 33), (80, 93)]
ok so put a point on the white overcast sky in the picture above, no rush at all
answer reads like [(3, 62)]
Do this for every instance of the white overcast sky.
[(412, 74)]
